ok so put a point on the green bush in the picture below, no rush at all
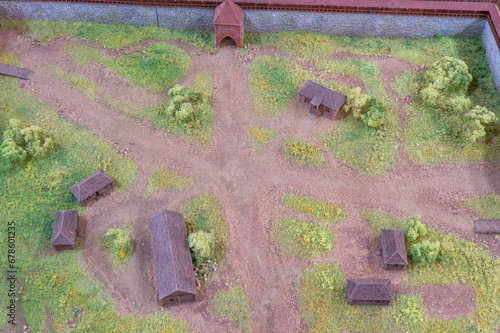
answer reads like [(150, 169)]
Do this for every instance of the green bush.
[(202, 244), (475, 121), (186, 106), (376, 116), (20, 143), (357, 102), (301, 238), (425, 251), (414, 229), (118, 242), (302, 153), (448, 76)]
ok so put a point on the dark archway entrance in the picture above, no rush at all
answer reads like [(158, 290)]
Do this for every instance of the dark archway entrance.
[(227, 41)]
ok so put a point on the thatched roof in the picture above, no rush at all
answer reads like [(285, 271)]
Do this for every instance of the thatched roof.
[(65, 224), (369, 289), (90, 185), (319, 94), (173, 265), (228, 13), (487, 226), (393, 247)]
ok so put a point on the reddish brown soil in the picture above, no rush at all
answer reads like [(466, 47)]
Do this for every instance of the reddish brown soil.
[(248, 186)]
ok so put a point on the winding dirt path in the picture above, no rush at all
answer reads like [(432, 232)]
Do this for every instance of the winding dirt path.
[(249, 186)]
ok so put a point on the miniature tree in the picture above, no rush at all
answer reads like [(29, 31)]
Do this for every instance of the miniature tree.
[(357, 102), (425, 251), (202, 244), (475, 121), (118, 242), (414, 229), (21, 143)]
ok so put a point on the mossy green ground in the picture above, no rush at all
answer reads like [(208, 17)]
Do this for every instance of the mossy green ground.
[(316, 208), (86, 86), (373, 151), (261, 137), (204, 213), (232, 304), (162, 179), (485, 206), (303, 153), (301, 238), (322, 292), (30, 196)]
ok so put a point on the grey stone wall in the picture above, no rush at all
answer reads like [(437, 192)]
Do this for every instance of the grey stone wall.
[(492, 53), (61, 11), (372, 25), (186, 18)]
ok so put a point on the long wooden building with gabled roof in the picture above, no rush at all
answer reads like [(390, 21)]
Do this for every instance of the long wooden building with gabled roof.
[(175, 279), (369, 291), (65, 229), (393, 249), (92, 187)]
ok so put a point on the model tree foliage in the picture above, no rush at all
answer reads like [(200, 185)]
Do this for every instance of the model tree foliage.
[(20, 143), (446, 83), (365, 108), (119, 243), (186, 106), (422, 250), (202, 244)]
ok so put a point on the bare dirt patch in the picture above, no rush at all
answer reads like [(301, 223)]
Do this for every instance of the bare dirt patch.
[(448, 301)]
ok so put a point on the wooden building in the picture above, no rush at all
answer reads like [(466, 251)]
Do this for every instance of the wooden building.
[(228, 23), (393, 249), (65, 230), (369, 291), (487, 226), (322, 100), (175, 279), (91, 188)]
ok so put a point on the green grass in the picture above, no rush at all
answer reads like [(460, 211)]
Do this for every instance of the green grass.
[(204, 213), (110, 35), (322, 297), (368, 72), (163, 179), (303, 153), (261, 137), (124, 107), (464, 262), (274, 81), (316, 208), (84, 85), (29, 195), (232, 304), (408, 83), (201, 134), (301, 238), (485, 206), (82, 55), (367, 150)]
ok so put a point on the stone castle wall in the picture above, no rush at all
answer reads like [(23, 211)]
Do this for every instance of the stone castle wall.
[(264, 21)]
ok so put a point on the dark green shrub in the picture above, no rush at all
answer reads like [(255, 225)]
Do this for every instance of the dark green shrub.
[(425, 251)]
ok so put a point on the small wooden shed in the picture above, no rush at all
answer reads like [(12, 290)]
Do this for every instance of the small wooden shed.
[(322, 100), (487, 226), (369, 291), (91, 188), (393, 249), (228, 23), (175, 280), (65, 230)]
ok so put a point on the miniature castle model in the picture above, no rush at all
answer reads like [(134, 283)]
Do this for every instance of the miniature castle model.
[(369, 291), (228, 22), (174, 269), (65, 230), (393, 249), (322, 100), (91, 188), (487, 226)]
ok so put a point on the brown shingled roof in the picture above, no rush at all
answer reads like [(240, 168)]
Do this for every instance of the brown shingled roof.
[(228, 13), (65, 224), (487, 226), (90, 185), (172, 258), (369, 289), (393, 247), (319, 94)]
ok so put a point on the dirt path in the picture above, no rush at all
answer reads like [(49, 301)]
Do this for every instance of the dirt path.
[(249, 187)]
